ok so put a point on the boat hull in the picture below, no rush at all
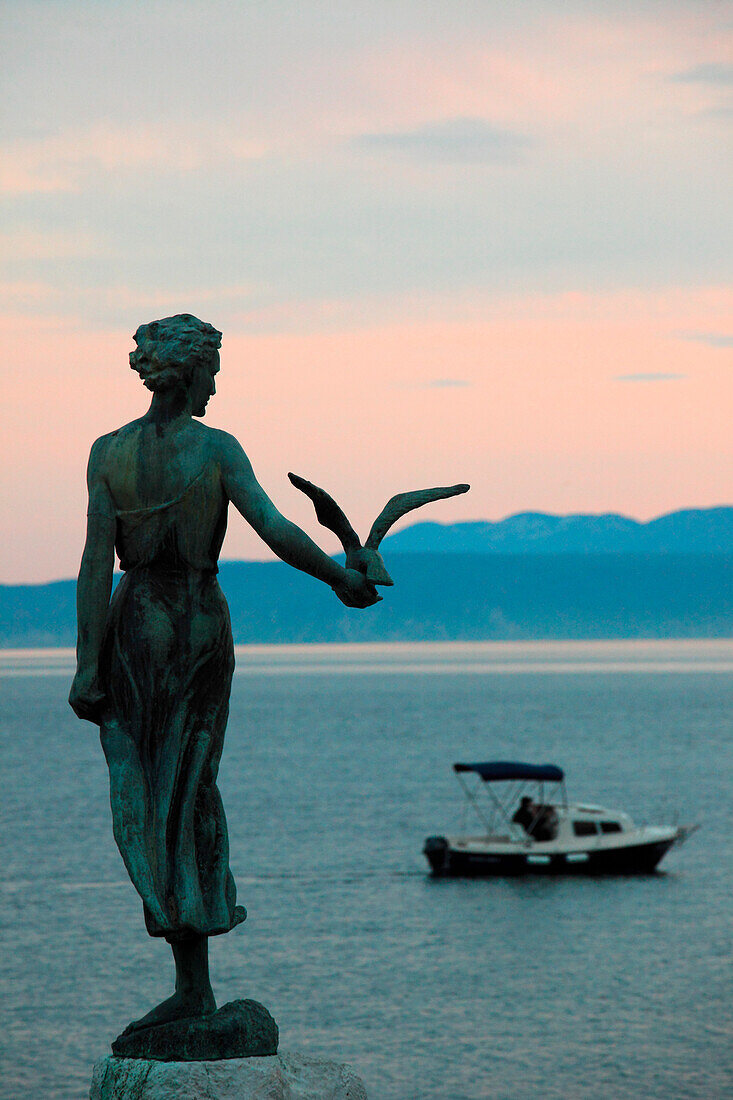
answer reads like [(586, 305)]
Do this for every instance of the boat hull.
[(631, 859)]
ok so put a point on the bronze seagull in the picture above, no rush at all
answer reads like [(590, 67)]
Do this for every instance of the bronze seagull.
[(367, 558)]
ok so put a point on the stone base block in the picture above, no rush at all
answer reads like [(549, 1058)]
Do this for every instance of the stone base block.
[(278, 1077)]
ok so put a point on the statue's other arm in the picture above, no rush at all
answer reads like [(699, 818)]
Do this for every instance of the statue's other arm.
[(93, 590), (286, 539)]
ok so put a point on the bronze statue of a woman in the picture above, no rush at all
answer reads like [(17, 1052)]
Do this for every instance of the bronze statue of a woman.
[(154, 664)]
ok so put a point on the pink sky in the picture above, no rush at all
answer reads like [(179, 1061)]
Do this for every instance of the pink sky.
[(534, 401), (491, 247)]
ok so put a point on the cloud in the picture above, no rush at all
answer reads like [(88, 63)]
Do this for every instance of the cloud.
[(710, 73), (712, 339), (445, 383), (208, 174), (453, 141), (63, 161), (61, 245), (650, 377), (721, 114)]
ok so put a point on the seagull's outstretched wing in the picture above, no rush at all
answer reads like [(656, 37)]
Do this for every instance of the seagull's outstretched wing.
[(405, 502), (328, 512)]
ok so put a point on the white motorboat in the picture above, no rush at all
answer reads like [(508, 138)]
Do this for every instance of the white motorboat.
[(544, 832)]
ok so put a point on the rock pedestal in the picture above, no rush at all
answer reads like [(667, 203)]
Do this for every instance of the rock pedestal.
[(277, 1077)]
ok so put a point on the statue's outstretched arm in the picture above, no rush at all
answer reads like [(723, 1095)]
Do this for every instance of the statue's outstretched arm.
[(93, 590), (285, 538)]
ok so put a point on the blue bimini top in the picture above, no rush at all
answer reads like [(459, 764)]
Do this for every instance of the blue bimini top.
[(496, 770)]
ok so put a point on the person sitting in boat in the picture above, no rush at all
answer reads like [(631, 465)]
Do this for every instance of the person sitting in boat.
[(546, 823), (526, 814), (538, 821)]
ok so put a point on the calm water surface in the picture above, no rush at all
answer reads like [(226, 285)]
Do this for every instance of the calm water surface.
[(337, 765)]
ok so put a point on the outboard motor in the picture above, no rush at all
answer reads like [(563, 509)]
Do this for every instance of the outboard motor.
[(436, 851)]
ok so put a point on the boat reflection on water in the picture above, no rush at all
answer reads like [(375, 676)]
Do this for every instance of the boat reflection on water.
[(543, 832)]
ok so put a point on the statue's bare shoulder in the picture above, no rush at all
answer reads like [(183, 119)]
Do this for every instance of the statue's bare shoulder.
[(103, 447), (230, 454), (226, 443), (100, 451)]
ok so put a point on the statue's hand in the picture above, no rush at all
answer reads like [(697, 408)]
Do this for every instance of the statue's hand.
[(356, 591), (86, 697)]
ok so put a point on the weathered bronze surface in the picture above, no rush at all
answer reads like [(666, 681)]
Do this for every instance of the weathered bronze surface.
[(154, 665), (240, 1029)]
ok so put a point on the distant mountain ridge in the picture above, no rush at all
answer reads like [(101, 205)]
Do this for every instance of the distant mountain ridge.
[(444, 597), (688, 531), (531, 575)]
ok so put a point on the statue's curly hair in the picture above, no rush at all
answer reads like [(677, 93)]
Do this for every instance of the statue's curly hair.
[(168, 351)]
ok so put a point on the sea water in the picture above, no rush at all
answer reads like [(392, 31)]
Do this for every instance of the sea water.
[(337, 765)]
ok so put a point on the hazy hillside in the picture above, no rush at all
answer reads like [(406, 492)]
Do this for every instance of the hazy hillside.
[(692, 531), (439, 597)]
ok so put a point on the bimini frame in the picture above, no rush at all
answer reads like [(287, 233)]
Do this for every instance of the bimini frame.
[(518, 776)]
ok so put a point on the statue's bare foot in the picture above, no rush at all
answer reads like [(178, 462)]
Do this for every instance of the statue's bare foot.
[(180, 1006)]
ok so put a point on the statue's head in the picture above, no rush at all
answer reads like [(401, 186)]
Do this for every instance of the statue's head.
[(178, 352)]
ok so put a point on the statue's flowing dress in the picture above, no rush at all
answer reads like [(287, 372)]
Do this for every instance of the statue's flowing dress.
[(166, 667)]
